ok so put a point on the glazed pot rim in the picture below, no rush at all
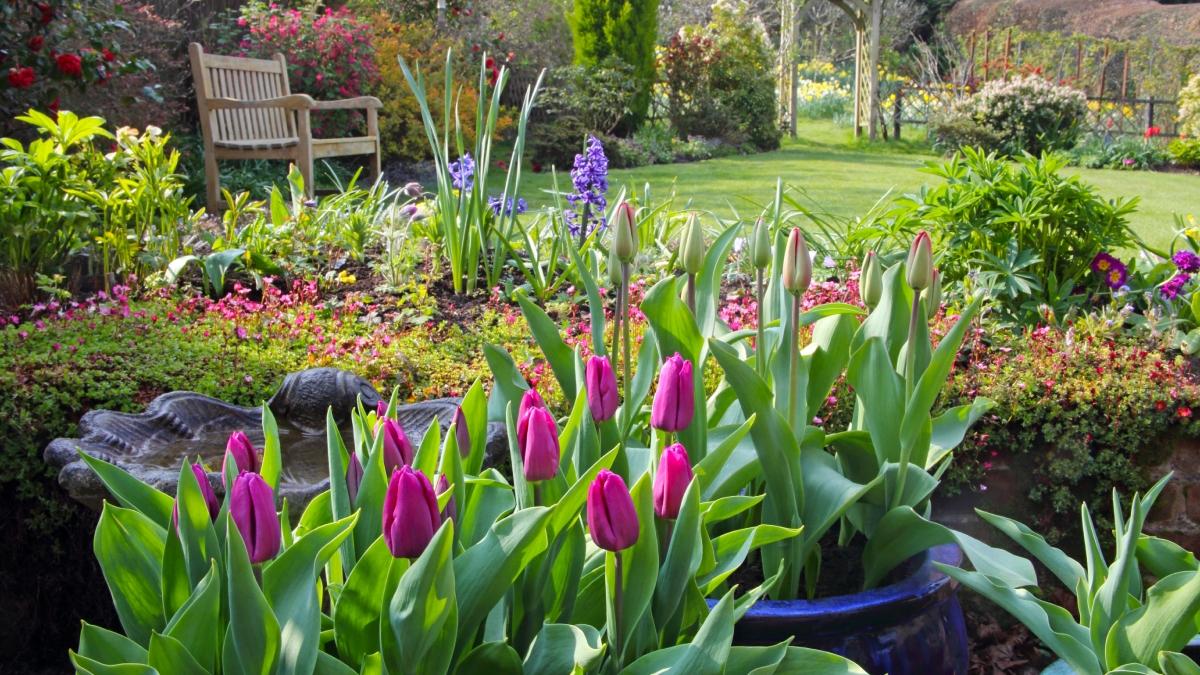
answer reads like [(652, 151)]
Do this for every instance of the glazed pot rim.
[(925, 585)]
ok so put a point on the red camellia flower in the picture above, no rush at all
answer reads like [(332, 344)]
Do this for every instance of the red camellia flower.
[(69, 64), (1151, 132), (20, 78), (108, 56), (47, 12), (36, 42)]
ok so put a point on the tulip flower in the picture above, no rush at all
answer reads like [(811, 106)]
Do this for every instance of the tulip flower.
[(691, 246), (760, 245), (674, 401), (611, 517), (397, 449), (933, 301), (625, 239), (672, 480), (539, 445), (354, 476), (919, 266), (532, 399), (870, 282), (252, 507), (210, 497), (462, 433), (381, 408), (601, 388), (245, 458), (410, 513), (797, 265), (451, 510)]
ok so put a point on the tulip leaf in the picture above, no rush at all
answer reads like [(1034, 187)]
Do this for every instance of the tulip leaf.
[(728, 507), (486, 501), (1111, 599), (339, 492), (706, 654), (131, 492), (731, 464), (474, 407), (508, 382), (356, 614), (810, 662), (732, 549), (197, 536), (272, 463), (1174, 663), (1069, 572), (289, 583), (330, 665), (418, 623), (1052, 624), (561, 588), (318, 512), (487, 570), (828, 495), (951, 427), (593, 295), (880, 394), (129, 547), (568, 507), (683, 557), (168, 655), (902, 533), (640, 563), (1165, 622), (197, 621), (560, 357), (827, 354), (675, 330), (105, 646), (708, 282), (888, 321), (176, 584), (494, 658), (252, 639), (425, 459), (85, 666), (1162, 557), (564, 648)]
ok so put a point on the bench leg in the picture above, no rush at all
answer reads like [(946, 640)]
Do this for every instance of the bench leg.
[(212, 182), (305, 155)]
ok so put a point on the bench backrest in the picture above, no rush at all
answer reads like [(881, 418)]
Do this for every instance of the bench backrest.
[(217, 76)]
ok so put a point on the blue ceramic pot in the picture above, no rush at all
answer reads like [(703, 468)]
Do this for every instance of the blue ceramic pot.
[(913, 627)]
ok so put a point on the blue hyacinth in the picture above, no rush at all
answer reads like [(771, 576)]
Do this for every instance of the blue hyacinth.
[(589, 177)]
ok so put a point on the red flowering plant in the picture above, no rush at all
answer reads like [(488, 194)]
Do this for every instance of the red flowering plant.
[(53, 47), (329, 53)]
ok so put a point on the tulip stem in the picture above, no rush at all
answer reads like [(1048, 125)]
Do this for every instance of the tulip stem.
[(627, 349), (794, 379), (760, 344), (618, 608), (691, 293), (910, 376), (537, 493)]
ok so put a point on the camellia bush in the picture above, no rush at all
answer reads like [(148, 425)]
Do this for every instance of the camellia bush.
[(1024, 114)]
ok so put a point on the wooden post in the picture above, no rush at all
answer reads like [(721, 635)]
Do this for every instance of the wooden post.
[(971, 60), (1007, 51), (1125, 76), (1103, 72), (1149, 112), (897, 113), (1078, 61), (987, 52)]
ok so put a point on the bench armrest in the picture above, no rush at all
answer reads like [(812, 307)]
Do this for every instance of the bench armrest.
[(292, 102), (368, 102)]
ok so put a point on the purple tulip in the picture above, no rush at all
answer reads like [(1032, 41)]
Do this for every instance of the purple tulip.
[(381, 407), (397, 449), (462, 433), (672, 480), (245, 458), (601, 388), (611, 517), (532, 399), (354, 476), (210, 497), (674, 402), (539, 446), (252, 506), (410, 513), (451, 510)]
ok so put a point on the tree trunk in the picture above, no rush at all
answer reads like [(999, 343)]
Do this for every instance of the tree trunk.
[(874, 38)]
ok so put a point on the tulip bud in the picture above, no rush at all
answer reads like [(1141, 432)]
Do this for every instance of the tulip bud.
[(870, 281), (672, 480), (451, 510), (239, 447), (210, 497), (760, 245), (674, 401), (933, 300), (625, 239), (601, 388), (919, 267), (410, 513), (612, 519), (530, 400), (539, 445), (354, 476), (397, 449), (381, 408), (252, 507), (691, 246), (615, 277), (797, 265), (462, 433)]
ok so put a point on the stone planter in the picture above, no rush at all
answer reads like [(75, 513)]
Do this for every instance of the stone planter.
[(912, 627)]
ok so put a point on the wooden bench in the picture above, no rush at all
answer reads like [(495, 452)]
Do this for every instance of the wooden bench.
[(247, 111)]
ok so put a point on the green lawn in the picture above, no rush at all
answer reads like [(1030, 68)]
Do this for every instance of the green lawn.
[(845, 177)]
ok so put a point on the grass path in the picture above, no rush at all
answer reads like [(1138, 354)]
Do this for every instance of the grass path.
[(846, 177)]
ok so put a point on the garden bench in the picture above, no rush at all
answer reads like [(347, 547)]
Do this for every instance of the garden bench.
[(247, 111)]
